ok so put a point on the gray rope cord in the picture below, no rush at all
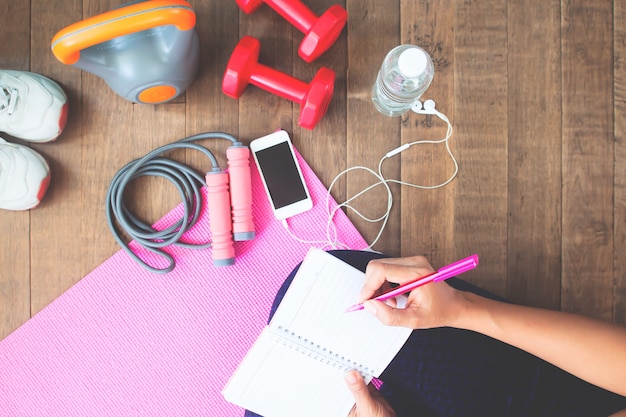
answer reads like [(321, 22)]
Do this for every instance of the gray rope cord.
[(188, 183)]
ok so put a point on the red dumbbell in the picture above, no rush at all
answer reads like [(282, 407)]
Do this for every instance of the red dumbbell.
[(243, 68), (320, 32)]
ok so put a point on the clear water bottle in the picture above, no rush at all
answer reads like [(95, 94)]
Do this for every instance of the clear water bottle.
[(405, 75)]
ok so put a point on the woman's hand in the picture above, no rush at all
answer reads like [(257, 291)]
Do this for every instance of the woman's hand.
[(431, 305), (369, 402)]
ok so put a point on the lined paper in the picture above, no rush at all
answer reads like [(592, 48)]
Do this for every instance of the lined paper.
[(276, 381), (316, 310), (296, 366)]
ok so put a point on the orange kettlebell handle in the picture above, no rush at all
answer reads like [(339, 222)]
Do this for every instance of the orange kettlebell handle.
[(68, 42)]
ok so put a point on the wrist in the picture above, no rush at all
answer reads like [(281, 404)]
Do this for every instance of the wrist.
[(471, 311)]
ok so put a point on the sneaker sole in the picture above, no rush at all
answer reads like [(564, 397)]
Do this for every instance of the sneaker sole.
[(43, 185), (62, 122)]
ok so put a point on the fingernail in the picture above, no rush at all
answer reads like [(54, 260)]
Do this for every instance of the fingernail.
[(370, 307)]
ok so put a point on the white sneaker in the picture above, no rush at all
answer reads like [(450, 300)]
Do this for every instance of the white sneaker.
[(24, 177), (32, 107)]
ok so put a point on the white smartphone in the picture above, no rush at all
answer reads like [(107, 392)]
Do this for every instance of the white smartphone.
[(281, 175)]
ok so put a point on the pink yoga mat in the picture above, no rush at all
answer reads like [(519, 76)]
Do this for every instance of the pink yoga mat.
[(126, 342)]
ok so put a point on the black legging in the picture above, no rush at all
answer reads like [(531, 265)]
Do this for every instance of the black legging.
[(452, 372)]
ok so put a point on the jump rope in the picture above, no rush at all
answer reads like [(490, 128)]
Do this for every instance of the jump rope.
[(189, 184)]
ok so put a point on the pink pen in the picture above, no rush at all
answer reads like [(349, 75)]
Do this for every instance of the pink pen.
[(442, 274)]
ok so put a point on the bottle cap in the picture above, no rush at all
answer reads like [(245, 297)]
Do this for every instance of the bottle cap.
[(412, 62)]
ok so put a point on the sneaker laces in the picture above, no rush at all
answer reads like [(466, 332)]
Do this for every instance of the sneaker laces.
[(8, 100)]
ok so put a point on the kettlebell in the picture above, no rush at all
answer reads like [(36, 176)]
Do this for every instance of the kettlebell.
[(146, 51)]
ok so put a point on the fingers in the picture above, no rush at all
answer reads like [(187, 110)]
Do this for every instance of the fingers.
[(395, 270), (389, 315), (359, 390), (433, 305)]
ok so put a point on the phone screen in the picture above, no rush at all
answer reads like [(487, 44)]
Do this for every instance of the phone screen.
[(281, 175)]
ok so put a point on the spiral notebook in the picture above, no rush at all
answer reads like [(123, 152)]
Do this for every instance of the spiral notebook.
[(297, 364)]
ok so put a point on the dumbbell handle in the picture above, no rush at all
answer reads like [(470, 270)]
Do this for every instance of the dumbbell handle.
[(220, 221), (295, 12), (238, 157), (279, 83)]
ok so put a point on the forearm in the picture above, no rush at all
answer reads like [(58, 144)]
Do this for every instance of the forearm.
[(590, 349)]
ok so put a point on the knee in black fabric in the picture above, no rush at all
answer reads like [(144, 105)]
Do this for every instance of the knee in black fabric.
[(402, 402)]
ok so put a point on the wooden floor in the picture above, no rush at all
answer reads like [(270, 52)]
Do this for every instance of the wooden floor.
[(536, 91)]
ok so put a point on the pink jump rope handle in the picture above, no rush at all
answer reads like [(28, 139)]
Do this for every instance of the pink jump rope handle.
[(240, 192), (219, 218)]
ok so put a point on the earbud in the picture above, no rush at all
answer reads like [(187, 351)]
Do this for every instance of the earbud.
[(429, 105), (427, 108)]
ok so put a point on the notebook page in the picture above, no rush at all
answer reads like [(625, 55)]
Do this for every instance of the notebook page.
[(314, 308), (275, 380)]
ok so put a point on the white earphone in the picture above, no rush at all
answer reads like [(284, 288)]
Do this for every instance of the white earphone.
[(426, 108)]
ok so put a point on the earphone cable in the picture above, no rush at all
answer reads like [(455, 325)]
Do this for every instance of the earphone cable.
[(188, 183), (385, 181)]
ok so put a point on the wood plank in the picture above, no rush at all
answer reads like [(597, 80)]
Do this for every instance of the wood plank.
[(481, 124), (208, 109), (54, 225), (587, 158), (324, 147), (14, 226), (261, 112), (534, 73), (56, 232), (15, 46), (373, 31), (619, 91), (427, 228)]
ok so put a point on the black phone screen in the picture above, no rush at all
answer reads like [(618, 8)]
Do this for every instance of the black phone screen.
[(281, 175)]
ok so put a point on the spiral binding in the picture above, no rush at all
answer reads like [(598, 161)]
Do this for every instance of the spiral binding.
[(319, 353)]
